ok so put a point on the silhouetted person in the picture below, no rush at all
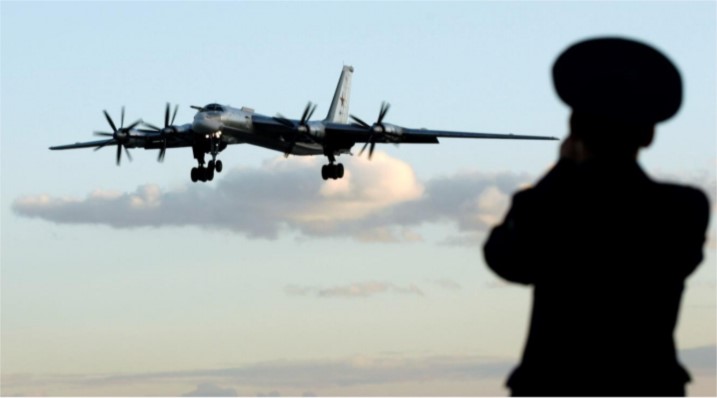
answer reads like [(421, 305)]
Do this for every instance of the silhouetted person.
[(606, 248)]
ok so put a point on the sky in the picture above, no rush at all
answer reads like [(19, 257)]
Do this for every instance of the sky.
[(269, 281)]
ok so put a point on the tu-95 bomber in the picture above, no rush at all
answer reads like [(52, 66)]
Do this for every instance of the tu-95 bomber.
[(217, 126)]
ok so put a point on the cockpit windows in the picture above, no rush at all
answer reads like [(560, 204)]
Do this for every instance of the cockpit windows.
[(213, 107)]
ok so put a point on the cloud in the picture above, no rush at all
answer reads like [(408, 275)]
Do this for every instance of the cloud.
[(354, 290), (310, 375), (357, 375), (351, 374), (447, 284), (377, 201), (701, 359), (211, 390), (269, 394)]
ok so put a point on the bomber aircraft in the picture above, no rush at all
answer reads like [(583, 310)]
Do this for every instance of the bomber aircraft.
[(216, 126)]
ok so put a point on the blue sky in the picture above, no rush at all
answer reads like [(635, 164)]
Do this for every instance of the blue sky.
[(132, 280)]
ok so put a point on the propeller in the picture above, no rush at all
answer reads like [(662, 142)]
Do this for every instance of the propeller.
[(376, 129), (302, 128), (120, 136), (169, 128)]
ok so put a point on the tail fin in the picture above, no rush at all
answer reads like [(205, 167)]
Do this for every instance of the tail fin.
[(339, 111)]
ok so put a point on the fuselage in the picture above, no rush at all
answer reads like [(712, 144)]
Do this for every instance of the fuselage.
[(214, 118)]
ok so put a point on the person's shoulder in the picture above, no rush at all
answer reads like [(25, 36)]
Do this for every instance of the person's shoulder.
[(524, 195), (680, 192), (685, 197)]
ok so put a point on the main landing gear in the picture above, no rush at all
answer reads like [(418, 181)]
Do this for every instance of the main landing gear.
[(212, 146), (205, 174), (331, 170)]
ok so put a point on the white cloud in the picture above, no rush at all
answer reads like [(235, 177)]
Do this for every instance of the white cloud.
[(447, 284), (490, 205), (700, 359), (353, 290), (377, 201), (269, 394), (211, 390), (358, 375), (310, 375)]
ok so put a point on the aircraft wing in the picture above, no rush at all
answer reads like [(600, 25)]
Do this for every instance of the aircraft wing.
[(90, 144), (147, 139), (397, 134), (460, 134)]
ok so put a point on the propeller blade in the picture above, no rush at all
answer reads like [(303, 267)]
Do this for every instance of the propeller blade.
[(127, 152), (384, 110), (370, 151), (162, 152), (286, 122), (364, 147), (109, 120), (176, 108), (292, 143), (153, 127), (122, 121), (359, 121), (119, 154), (166, 115), (103, 134), (133, 125), (306, 112), (313, 108), (103, 145)]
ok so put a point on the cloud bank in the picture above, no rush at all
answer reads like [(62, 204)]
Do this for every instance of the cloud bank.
[(358, 370), (358, 375), (354, 290), (377, 201), (211, 390)]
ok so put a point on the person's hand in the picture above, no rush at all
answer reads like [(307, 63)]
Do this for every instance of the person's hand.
[(573, 149)]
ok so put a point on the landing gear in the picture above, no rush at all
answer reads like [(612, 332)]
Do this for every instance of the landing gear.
[(202, 173), (205, 174), (331, 170)]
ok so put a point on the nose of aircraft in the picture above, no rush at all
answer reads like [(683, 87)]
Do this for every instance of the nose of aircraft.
[(206, 123)]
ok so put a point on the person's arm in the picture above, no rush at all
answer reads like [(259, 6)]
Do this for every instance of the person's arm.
[(507, 249), (513, 248), (695, 218)]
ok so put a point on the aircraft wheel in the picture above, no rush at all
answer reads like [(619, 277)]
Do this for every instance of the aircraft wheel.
[(219, 166), (325, 172), (210, 165), (194, 174), (210, 174), (334, 171), (202, 174), (340, 170)]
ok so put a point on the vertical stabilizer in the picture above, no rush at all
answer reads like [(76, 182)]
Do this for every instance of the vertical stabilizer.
[(339, 111)]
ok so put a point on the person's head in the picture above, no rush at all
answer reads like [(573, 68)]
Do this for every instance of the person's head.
[(618, 90)]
